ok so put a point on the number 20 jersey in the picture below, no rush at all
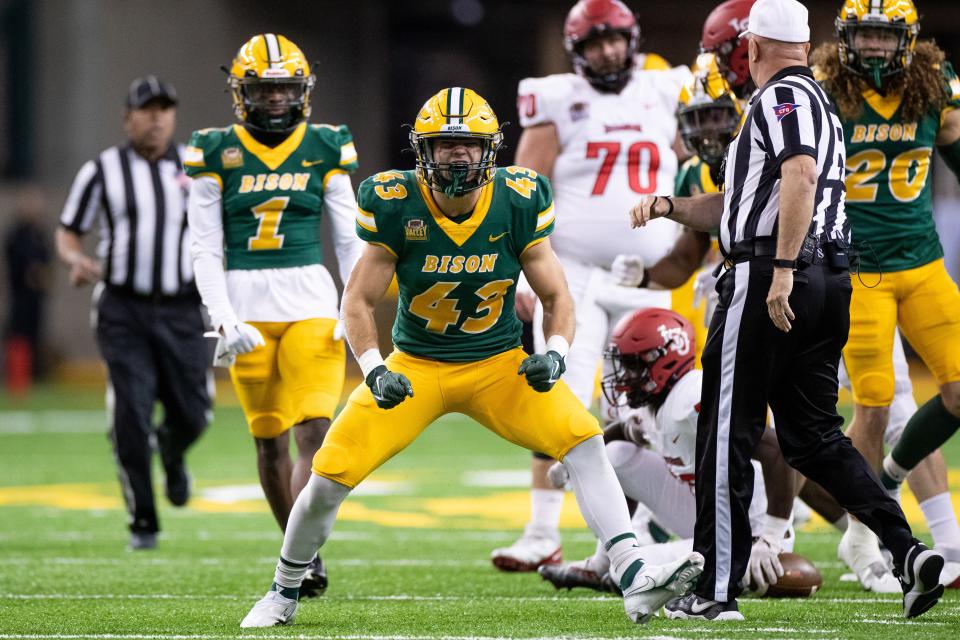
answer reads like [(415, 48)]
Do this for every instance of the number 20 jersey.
[(614, 149), (457, 281)]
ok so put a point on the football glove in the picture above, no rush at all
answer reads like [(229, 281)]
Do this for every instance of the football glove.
[(627, 270), (558, 476), (764, 568), (241, 338), (388, 387), (542, 370)]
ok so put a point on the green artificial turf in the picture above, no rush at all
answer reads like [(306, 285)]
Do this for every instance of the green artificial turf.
[(409, 559)]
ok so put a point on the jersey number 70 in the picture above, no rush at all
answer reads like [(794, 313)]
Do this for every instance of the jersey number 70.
[(643, 162)]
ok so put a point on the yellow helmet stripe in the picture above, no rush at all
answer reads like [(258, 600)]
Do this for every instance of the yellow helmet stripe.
[(455, 105), (273, 49)]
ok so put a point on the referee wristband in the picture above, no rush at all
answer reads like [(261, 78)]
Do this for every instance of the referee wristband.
[(369, 360), (779, 263), (559, 344)]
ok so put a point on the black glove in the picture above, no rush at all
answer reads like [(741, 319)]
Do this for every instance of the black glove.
[(389, 388), (542, 370)]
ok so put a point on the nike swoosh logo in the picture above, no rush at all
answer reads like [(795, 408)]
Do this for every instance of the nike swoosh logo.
[(310, 163), (696, 607), (493, 238), (675, 439)]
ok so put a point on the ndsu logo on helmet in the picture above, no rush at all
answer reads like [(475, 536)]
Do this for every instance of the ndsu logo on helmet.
[(415, 229)]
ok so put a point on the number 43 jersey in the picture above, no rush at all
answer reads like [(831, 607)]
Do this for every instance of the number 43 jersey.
[(457, 280), (614, 149)]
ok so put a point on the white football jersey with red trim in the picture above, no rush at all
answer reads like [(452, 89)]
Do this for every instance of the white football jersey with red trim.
[(614, 149), (674, 434)]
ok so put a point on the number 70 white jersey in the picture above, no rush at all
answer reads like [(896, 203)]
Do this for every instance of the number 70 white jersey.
[(614, 148)]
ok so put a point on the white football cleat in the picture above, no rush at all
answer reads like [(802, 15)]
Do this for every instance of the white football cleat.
[(271, 610), (531, 551), (863, 557), (655, 585)]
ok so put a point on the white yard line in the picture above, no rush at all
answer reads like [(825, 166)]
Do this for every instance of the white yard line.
[(382, 534), (216, 561)]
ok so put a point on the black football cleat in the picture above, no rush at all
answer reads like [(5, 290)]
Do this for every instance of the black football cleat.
[(570, 575), (178, 478), (920, 580), (693, 607), (315, 582)]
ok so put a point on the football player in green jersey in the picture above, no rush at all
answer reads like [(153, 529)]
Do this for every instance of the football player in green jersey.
[(457, 232), (898, 99), (259, 189)]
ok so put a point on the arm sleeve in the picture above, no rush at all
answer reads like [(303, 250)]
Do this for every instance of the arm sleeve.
[(342, 209), (204, 216), (786, 121), (84, 203)]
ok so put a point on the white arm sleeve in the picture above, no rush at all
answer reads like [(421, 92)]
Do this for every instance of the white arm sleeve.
[(341, 206), (204, 216)]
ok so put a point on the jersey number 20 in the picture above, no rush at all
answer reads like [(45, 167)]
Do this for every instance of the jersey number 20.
[(643, 162)]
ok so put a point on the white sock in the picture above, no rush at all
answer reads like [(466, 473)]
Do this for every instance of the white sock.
[(309, 526), (599, 562), (894, 470), (603, 506), (545, 508), (665, 552), (841, 523), (942, 521), (859, 532)]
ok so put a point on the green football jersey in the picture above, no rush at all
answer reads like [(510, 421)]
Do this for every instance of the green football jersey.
[(694, 178), (457, 280), (272, 196), (889, 203)]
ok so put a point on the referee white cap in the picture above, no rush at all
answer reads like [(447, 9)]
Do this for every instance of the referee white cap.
[(783, 20)]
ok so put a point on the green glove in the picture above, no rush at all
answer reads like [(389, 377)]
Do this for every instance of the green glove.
[(389, 388), (542, 370)]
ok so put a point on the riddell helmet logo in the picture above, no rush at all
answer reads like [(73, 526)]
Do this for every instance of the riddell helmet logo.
[(675, 338)]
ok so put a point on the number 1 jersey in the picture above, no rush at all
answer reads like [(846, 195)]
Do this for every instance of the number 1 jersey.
[(614, 149)]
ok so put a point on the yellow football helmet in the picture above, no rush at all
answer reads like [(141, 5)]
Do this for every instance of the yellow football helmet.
[(709, 113), (898, 18), (270, 82), (457, 113)]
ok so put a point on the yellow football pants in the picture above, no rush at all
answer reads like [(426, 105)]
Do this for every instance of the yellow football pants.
[(296, 376), (925, 303), (364, 436)]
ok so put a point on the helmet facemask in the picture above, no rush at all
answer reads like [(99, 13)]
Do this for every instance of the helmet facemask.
[(458, 177), (272, 104), (708, 128), (876, 64), (630, 379), (611, 81)]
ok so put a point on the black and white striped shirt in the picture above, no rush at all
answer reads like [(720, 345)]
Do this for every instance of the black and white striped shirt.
[(789, 115), (141, 207)]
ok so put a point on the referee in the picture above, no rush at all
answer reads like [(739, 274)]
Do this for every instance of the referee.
[(149, 327), (782, 319)]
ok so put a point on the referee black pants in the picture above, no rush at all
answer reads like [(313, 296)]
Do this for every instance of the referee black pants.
[(155, 351), (747, 364)]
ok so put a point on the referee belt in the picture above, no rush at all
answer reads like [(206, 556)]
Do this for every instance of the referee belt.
[(815, 250), (131, 294)]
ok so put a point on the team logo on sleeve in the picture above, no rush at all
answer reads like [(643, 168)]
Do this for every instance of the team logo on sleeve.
[(415, 229), (784, 109), (579, 111), (231, 158)]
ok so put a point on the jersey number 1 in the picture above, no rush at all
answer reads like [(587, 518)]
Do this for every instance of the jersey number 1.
[(643, 161), (269, 214)]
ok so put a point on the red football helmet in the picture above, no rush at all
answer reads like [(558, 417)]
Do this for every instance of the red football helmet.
[(650, 350), (591, 18), (721, 36)]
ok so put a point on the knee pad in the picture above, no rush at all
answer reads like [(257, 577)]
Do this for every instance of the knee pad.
[(267, 426), (331, 460), (874, 389)]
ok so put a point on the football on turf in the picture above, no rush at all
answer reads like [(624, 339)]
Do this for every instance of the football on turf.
[(800, 579)]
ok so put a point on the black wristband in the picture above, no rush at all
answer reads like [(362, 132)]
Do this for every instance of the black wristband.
[(670, 201), (644, 280), (780, 263)]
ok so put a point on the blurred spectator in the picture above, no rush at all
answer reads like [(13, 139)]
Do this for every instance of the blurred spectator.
[(27, 252)]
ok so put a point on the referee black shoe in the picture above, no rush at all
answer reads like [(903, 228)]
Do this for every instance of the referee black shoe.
[(920, 579), (693, 607), (175, 468), (315, 581)]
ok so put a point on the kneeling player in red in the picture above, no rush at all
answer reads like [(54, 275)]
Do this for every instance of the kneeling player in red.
[(457, 232)]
